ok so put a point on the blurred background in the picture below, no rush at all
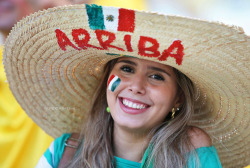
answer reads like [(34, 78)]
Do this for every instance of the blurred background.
[(231, 12), (22, 142)]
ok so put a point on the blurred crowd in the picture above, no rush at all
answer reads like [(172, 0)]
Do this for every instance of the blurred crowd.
[(231, 12), (19, 135)]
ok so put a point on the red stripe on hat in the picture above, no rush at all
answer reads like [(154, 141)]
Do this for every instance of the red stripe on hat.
[(126, 20), (110, 79)]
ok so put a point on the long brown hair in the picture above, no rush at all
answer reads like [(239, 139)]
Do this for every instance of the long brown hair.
[(169, 140)]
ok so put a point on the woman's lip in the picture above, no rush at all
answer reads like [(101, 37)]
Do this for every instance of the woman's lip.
[(129, 110)]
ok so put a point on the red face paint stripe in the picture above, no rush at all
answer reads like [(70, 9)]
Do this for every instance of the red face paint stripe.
[(110, 79)]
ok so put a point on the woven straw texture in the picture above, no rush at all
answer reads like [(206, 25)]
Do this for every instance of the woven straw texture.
[(55, 86)]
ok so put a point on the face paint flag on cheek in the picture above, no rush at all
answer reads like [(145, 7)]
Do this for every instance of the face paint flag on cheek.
[(113, 82)]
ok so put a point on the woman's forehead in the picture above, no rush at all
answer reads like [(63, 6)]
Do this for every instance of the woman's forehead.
[(137, 61)]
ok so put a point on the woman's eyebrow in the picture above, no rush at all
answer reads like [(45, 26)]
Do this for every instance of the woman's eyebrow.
[(158, 69), (150, 67), (128, 62)]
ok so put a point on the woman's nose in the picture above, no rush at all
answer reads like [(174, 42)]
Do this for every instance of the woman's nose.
[(138, 85)]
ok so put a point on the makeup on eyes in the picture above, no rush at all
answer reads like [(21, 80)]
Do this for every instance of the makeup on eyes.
[(149, 67)]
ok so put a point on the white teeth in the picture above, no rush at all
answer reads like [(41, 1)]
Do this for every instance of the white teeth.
[(130, 104), (133, 105)]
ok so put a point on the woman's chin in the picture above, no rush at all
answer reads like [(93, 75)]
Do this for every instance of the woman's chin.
[(132, 126)]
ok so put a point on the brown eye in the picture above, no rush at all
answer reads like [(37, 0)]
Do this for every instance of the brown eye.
[(127, 69), (157, 77)]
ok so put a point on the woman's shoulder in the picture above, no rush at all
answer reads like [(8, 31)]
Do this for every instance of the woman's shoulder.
[(207, 154), (62, 138), (66, 140), (58, 151), (53, 154), (198, 137), (71, 144)]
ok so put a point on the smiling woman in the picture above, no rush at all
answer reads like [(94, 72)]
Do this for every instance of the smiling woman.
[(149, 94), (142, 83), (141, 106)]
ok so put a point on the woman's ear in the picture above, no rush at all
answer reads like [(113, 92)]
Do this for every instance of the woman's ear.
[(180, 100)]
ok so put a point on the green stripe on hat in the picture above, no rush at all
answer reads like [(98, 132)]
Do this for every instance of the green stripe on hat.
[(95, 17)]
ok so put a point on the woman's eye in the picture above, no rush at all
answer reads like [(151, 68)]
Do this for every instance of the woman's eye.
[(127, 69), (157, 77)]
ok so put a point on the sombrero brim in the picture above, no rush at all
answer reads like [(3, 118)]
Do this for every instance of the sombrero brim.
[(54, 59)]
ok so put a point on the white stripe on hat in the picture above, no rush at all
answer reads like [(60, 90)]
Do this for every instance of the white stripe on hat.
[(110, 16)]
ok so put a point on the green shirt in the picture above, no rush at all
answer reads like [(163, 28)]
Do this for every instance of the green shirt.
[(208, 157)]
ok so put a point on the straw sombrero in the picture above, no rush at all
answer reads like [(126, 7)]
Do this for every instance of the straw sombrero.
[(54, 59)]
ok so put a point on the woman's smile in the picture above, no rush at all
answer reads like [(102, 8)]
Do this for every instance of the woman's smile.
[(132, 106)]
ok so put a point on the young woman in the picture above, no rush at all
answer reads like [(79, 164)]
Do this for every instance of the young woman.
[(142, 113), (130, 89)]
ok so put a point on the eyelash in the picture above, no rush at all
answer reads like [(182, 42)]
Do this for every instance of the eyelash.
[(128, 69), (157, 77)]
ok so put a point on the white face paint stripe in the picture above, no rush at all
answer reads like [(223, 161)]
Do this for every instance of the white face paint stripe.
[(114, 83), (111, 77)]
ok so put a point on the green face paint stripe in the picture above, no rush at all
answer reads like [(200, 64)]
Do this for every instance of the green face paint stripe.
[(115, 84), (95, 17)]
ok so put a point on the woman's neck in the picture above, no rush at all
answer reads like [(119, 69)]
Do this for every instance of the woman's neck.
[(129, 145)]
